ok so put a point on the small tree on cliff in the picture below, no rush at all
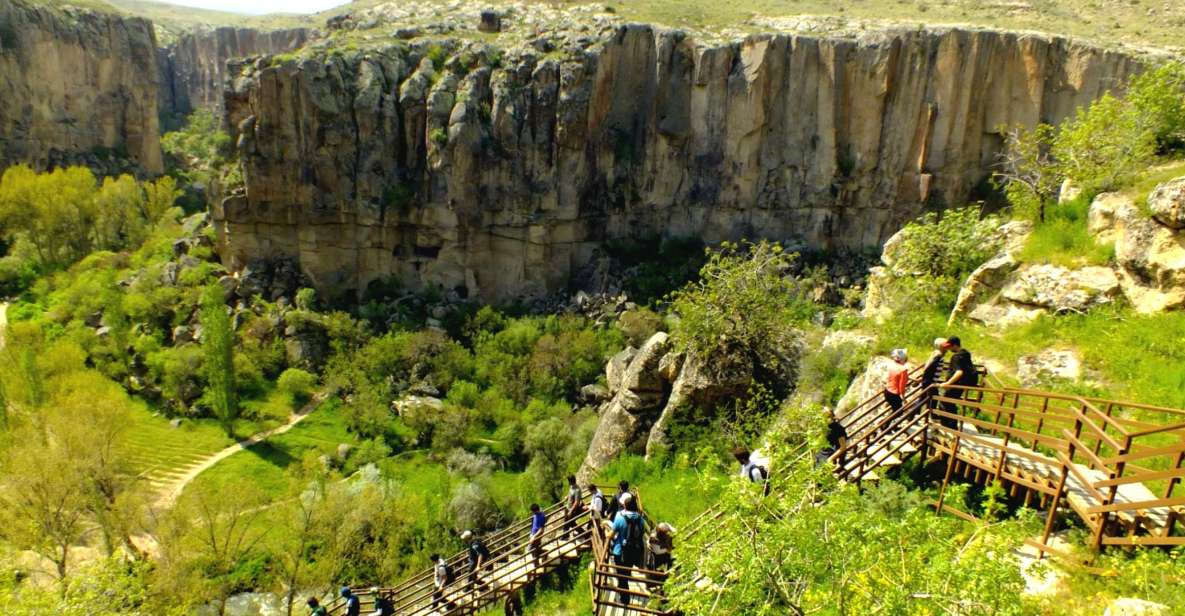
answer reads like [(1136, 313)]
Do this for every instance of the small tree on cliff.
[(1026, 170), (218, 358)]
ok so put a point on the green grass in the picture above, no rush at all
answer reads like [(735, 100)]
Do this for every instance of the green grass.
[(1063, 239), (266, 463), (674, 494), (156, 445)]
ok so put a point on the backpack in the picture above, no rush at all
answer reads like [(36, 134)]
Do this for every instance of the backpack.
[(598, 503), (448, 573), (635, 536), (762, 473)]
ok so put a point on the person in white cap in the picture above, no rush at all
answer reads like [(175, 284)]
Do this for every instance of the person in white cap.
[(662, 541), (932, 368), (478, 555), (897, 381)]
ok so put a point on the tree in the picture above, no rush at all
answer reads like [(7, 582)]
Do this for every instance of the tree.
[(218, 365), (1026, 169), (547, 442)]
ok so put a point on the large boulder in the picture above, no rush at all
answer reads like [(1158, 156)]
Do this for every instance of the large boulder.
[(635, 404), (618, 364), (1149, 255), (1059, 289), (987, 279), (869, 383), (1167, 203), (700, 383)]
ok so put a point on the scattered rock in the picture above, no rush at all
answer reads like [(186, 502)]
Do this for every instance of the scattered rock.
[(103, 331), (491, 21), (1127, 606), (594, 393), (424, 388), (1150, 256), (343, 451), (1060, 289), (175, 422), (1167, 203), (417, 403), (1048, 365), (182, 334), (1068, 192)]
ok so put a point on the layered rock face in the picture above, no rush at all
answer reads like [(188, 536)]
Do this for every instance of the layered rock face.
[(498, 181), (193, 69), (77, 85)]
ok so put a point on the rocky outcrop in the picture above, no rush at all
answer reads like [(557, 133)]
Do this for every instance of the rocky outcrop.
[(1149, 255), (500, 173), (79, 86), (193, 69), (867, 384), (1167, 204)]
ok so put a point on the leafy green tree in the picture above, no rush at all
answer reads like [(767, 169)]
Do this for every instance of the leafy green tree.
[(1159, 96), (547, 443), (218, 365), (1027, 171)]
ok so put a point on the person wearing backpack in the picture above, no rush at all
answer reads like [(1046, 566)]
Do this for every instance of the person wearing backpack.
[(615, 504), (597, 503), (752, 471), (478, 555), (353, 604), (960, 373), (382, 604), (442, 576), (316, 607), (628, 539), (573, 507)]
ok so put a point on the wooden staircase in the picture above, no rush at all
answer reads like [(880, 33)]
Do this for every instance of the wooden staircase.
[(1115, 465)]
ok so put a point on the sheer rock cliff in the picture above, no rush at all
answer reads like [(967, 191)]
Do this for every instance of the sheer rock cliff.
[(497, 174), (76, 86)]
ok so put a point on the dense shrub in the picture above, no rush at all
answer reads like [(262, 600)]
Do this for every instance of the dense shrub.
[(297, 383)]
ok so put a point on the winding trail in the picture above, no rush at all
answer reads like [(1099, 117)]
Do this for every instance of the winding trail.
[(170, 491)]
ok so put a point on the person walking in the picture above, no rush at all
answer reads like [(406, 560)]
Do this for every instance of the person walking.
[(897, 381), (628, 539), (573, 507), (316, 608), (615, 505), (382, 604), (353, 604), (960, 374), (930, 371), (538, 525), (662, 541), (442, 576), (752, 471), (597, 503), (478, 554), (837, 439)]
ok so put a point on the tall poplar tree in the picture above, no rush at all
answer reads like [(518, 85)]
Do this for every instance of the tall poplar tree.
[(218, 339)]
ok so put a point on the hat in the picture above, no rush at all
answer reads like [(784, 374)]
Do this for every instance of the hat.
[(939, 343), (665, 528), (345, 591), (898, 354), (467, 535), (627, 498)]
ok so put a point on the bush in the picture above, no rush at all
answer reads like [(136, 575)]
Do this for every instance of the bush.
[(469, 465), (639, 325), (472, 508), (16, 275), (297, 383)]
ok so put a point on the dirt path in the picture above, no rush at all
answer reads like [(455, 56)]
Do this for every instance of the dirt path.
[(168, 493), (3, 322)]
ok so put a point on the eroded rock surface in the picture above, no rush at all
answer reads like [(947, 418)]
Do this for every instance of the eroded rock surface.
[(499, 178), (1149, 255), (77, 86)]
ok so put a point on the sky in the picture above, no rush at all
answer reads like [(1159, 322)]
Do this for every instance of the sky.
[(258, 7)]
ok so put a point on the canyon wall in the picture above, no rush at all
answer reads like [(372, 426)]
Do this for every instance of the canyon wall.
[(76, 86), (499, 176), (193, 69)]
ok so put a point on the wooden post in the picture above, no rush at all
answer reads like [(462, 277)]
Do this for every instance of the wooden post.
[(950, 464), (1053, 501)]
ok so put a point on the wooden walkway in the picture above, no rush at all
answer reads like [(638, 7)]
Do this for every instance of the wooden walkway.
[(1115, 465)]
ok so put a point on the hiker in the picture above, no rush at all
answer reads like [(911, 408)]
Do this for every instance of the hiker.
[(623, 488), (750, 470), (962, 373), (316, 607), (930, 371), (353, 604), (837, 438), (538, 524), (573, 507), (513, 606), (897, 380), (597, 503), (662, 541), (478, 555), (628, 540), (382, 604), (442, 576)]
